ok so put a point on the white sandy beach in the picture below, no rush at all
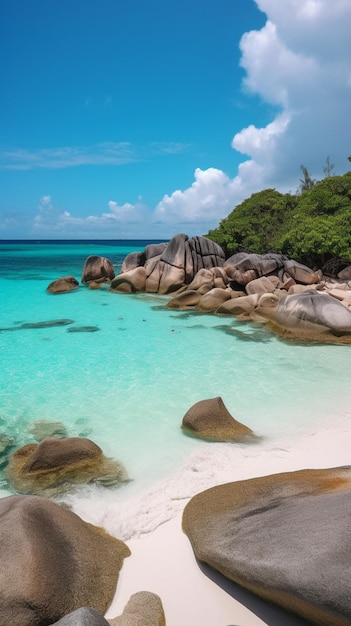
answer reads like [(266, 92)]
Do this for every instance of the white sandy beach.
[(162, 561)]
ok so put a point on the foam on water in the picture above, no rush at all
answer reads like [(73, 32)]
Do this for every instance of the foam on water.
[(128, 385)]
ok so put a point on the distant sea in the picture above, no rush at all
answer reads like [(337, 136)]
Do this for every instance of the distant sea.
[(128, 385)]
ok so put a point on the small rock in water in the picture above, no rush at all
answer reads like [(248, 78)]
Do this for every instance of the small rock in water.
[(83, 329), (46, 324), (55, 465), (45, 428), (5, 442)]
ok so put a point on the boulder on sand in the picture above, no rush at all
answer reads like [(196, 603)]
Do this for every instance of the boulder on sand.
[(284, 537), (143, 609), (210, 419), (52, 562)]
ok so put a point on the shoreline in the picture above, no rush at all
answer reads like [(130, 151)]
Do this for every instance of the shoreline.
[(162, 561)]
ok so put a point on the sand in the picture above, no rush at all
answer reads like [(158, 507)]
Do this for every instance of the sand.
[(162, 562)]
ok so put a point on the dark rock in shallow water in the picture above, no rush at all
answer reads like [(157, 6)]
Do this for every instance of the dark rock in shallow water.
[(6, 446), (46, 428), (83, 329), (5, 442), (284, 537), (52, 562), (47, 324), (65, 284), (97, 268), (55, 465)]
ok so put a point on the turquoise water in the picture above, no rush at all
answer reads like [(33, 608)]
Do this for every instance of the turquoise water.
[(128, 385)]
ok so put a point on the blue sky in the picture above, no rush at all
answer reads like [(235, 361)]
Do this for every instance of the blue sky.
[(143, 119)]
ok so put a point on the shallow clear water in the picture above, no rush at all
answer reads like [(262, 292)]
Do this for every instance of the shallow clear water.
[(128, 385)]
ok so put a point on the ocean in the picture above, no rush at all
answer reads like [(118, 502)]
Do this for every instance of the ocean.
[(128, 385)]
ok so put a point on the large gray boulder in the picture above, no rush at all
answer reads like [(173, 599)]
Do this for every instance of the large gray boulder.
[(284, 537), (301, 273), (52, 562), (243, 268), (98, 269), (131, 281), (310, 314)]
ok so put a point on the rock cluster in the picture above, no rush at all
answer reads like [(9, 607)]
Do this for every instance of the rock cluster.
[(285, 537), (164, 268), (267, 288), (291, 299)]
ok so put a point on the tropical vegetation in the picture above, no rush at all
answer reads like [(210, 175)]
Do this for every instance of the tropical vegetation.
[(312, 226)]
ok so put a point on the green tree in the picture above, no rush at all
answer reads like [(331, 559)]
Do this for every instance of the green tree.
[(312, 227), (306, 182), (255, 225), (328, 168)]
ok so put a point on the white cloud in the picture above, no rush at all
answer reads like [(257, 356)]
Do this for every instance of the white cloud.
[(210, 196), (118, 221), (45, 204), (106, 153), (299, 62), (312, 27)]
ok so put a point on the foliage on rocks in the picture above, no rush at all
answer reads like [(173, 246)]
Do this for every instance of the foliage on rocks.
[(312, 227)]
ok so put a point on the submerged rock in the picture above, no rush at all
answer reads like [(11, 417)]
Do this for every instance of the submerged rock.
[(55, 465), (46, 428), (52, 562), (46, 324), (210, 420), (83, 329), (5, 442), (6, 445), (284, 537)]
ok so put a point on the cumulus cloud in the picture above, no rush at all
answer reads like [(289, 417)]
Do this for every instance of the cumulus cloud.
[(118, 221), (211, 195), (300, 63)]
